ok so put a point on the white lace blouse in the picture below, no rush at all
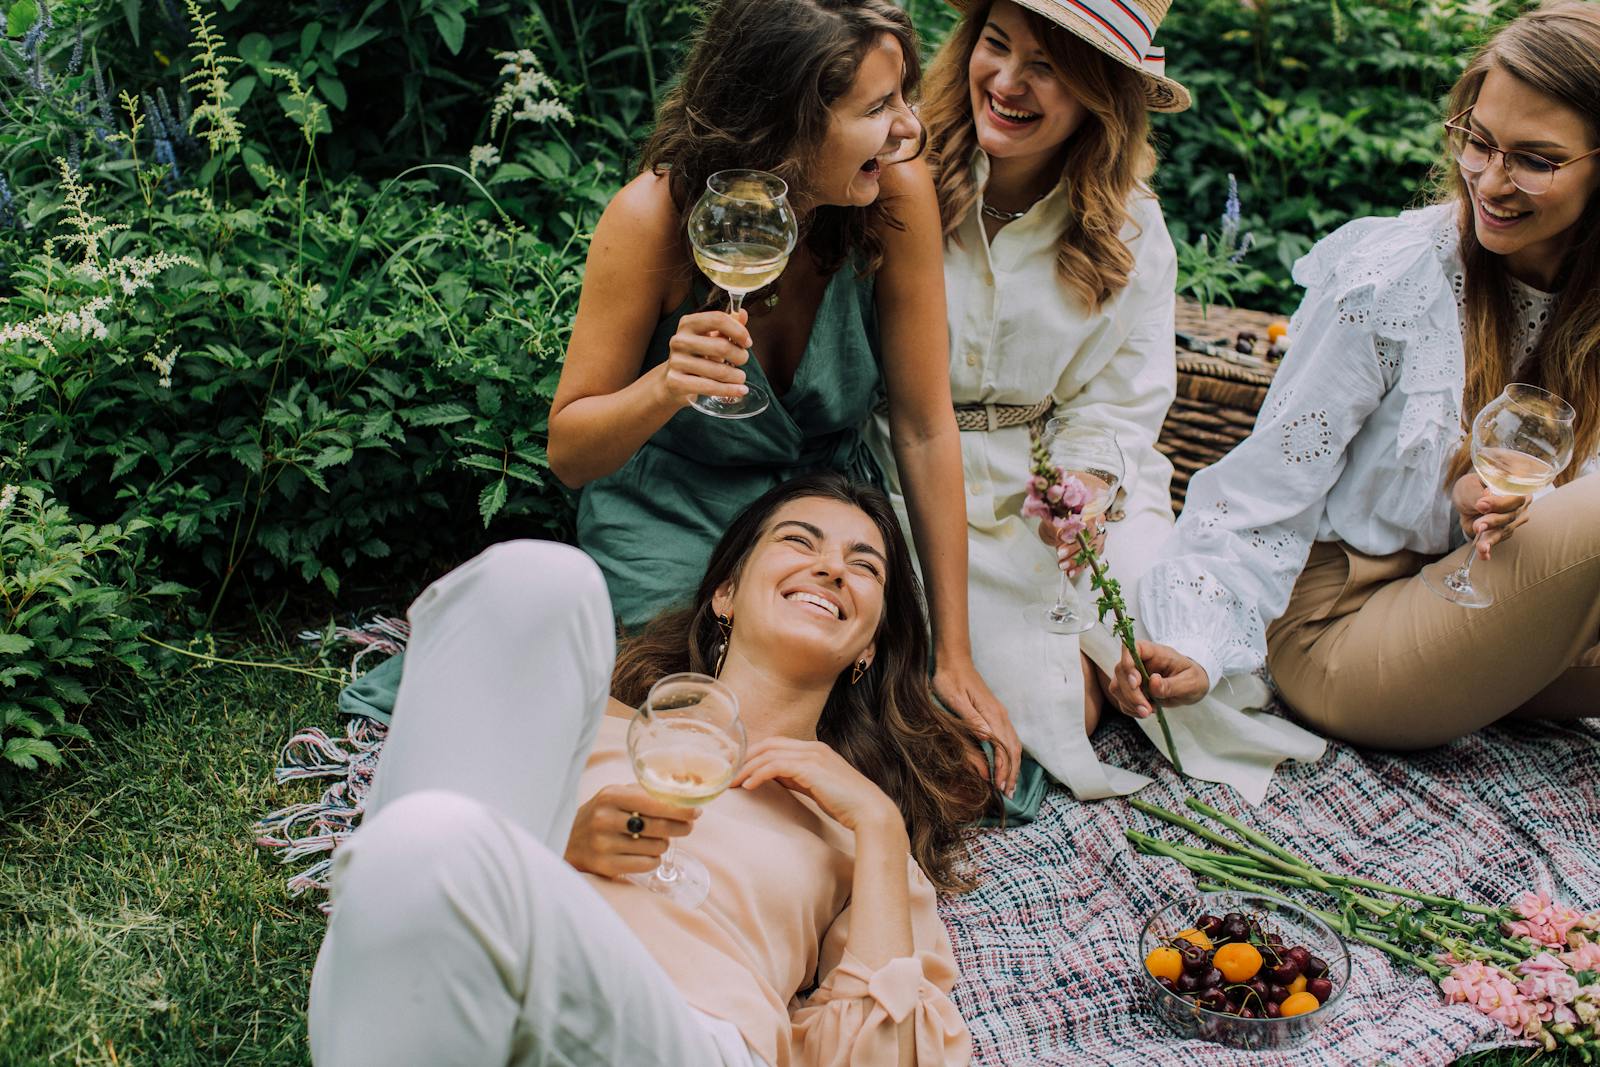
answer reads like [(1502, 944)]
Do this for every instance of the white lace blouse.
[(1353, 441)]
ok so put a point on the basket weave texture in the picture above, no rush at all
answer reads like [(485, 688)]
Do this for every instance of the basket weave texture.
[(1217, 399)]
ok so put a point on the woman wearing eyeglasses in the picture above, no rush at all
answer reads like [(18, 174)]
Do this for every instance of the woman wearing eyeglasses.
[(1303, 549)]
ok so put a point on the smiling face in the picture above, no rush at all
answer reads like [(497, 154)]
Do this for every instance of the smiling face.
[(1533, 232), (810, 595), (869, 125), (1020, 106)]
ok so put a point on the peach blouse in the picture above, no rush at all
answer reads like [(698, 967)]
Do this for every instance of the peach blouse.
[(766, 951)]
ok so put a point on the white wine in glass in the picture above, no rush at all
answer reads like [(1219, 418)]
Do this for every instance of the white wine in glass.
[(1521, 441), (686, 743), (742, 230), (1092, 455)]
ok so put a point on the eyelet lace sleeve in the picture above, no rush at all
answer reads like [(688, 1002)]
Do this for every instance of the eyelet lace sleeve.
[(1377, 329)]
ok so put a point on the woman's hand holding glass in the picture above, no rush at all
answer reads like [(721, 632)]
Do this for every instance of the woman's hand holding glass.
[(1091, 455), (601, 843), (1486, 515), (814, 770), (1521, 441), (1067, 551), (705, 356), (685, 744), (742, 230)]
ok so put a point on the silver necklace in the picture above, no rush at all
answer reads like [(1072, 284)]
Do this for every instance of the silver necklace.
[(1005, 216)]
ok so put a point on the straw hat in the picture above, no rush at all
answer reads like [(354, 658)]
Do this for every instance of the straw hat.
[(1123, 30)]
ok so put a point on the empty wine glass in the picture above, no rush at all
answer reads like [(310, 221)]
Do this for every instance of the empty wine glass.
[(742, 230), (686, 743), (1521, 441), (1092, 455)]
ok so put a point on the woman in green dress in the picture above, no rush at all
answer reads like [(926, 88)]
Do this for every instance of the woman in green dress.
[(814, 91)]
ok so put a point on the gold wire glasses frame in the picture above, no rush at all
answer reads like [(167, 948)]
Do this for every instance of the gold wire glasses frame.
[(1528, 171)]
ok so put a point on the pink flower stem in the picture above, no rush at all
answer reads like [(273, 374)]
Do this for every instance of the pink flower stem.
[(1111, 600)]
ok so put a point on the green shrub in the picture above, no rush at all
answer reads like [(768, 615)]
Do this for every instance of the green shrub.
[(247, 358), (67, 620), (1326, 110)]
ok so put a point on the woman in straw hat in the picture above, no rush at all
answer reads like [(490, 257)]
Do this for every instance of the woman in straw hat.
[(1059, 276), (1311, 548)]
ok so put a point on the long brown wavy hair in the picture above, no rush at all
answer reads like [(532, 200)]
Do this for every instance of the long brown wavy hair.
[(1103, 163), (754, 92), (1554, 50), (887, 725)]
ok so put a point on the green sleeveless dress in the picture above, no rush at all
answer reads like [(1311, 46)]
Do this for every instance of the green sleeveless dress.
[(652, 524)]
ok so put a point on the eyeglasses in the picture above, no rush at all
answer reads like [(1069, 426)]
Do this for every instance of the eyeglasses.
[(1528, 171)]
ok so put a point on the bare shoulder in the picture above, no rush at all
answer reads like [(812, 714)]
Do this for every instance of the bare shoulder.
[(643, 214), (908, 193), (618, 709), (638, 243), (909, 184)]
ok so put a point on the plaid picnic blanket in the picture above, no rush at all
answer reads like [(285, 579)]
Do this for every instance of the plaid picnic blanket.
[(1047, 973)]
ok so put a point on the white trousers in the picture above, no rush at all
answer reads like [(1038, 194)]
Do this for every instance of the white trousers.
[(459, 935)]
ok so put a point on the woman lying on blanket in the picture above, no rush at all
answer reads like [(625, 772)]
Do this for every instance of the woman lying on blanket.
[(816, 92), (459, 935), (1059, 276), (1306, 548)]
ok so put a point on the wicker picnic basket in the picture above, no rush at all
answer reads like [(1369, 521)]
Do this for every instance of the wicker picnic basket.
[(1218, 397)]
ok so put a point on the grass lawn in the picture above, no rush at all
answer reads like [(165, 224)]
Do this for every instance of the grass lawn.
[(142, 926)]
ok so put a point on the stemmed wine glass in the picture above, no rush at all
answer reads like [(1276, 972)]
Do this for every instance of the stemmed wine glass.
[(1091, 454), (742, 230), (685, 744), (1521, 441)]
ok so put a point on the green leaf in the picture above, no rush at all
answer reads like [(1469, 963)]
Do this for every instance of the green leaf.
[(15, 644), (240, 90), (351, 39), (491, 500), (308, 37), (436, 415), (168, 589), (333, 89), (452, 28), (26, 752), (525, 473), (21, 17), (130, 11), (256, 50)]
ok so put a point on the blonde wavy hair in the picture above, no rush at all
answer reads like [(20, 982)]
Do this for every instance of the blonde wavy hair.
[(1103, 164), (1554, 50)]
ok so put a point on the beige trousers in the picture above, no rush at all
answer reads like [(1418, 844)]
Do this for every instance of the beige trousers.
[(1369, 654)]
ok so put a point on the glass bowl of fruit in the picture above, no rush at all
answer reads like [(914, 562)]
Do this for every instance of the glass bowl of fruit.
[(1242, 970)]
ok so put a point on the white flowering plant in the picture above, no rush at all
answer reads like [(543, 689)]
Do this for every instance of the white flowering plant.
[(256, 329)]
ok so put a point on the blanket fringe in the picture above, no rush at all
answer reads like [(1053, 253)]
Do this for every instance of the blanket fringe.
[(316, 827)]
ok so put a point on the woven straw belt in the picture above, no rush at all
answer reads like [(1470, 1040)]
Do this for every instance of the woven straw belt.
[(989, 417)]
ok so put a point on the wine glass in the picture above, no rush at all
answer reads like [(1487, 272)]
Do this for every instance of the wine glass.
[(685, 744), (1521, 441), (742, 230), (1092, 455)]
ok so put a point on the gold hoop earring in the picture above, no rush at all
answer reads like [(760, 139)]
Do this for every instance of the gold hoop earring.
[(725, 624), (860, 669)]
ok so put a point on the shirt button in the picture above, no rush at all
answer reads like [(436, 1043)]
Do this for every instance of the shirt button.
[(972, 361)]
